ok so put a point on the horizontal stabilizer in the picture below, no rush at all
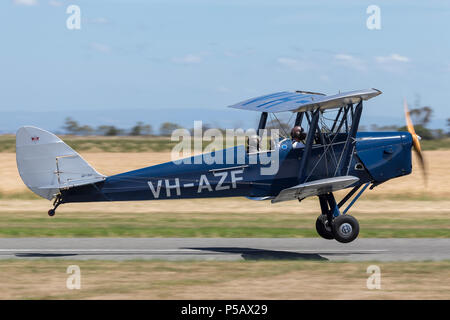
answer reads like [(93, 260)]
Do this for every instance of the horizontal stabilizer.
[(73, 183), (314, 188)]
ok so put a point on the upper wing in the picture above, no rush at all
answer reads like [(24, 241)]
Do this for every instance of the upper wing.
[(298, 101)]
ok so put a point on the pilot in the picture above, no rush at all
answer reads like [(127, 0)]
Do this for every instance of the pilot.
[(253, 143), (298, 136)]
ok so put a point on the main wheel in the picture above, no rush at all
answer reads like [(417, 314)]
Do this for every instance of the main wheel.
[(51, 212), (323, 228), (345, 228)]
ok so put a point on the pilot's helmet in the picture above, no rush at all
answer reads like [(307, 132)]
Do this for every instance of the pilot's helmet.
[(297, 133)]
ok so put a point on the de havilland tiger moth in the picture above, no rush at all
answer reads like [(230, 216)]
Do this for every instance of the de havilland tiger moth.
[(329, 156)]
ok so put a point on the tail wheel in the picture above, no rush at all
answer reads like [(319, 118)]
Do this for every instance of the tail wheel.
[(345, 228), (323, 228)]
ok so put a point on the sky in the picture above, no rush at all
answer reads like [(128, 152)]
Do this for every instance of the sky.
[(153, 61)]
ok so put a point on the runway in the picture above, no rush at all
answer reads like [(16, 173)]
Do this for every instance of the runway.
[(225, 249)]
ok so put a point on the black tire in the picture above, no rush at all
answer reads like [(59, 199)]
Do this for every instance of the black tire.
[(323, 229), (51, 212), (345, 228)]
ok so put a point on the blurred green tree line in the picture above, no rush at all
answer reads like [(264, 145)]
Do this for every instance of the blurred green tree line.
[(421, 118)]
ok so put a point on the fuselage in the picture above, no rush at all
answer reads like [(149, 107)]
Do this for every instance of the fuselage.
[(376, 157)]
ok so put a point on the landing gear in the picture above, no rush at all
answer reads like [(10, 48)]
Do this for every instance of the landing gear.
[(323, 228), (56, 203), (345, 228), (331, 224)]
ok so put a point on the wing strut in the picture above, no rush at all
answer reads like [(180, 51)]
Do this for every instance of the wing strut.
[(299, 118), (308, 146), (347, 152), (262, 123)]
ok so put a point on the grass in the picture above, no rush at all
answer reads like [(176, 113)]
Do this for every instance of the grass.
[(122, 230), (21, 195), (46, 279), (100, 222), (149, 143), (108, 144), (440, 144), (128, 144), (405, 196), (103, 144)]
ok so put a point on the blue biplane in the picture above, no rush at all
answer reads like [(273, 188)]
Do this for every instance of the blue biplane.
[(333, 156)]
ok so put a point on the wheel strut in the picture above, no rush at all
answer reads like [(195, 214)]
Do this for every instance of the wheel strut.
[(329, 207), (56, 203)]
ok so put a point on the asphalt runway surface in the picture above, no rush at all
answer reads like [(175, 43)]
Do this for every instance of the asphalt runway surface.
[(225, 249)]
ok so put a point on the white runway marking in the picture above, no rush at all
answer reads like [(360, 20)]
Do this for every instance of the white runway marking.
[(178, 250)]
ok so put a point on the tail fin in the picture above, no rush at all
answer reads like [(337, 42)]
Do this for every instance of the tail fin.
[(46, 164)]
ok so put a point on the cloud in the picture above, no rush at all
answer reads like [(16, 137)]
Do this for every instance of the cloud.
[(393, 58), (188, 59), (55, 3), (344, 57), (393, 63), (350, 61), (25, 2), (100, 47), (294, 64)]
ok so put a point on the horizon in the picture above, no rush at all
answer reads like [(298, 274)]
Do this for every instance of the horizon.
[(156, 58)]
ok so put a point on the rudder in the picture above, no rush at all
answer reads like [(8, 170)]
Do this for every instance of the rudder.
[(46, 164)]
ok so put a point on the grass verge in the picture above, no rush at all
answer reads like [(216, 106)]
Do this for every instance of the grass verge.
[(224, 224), (46, 279)]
